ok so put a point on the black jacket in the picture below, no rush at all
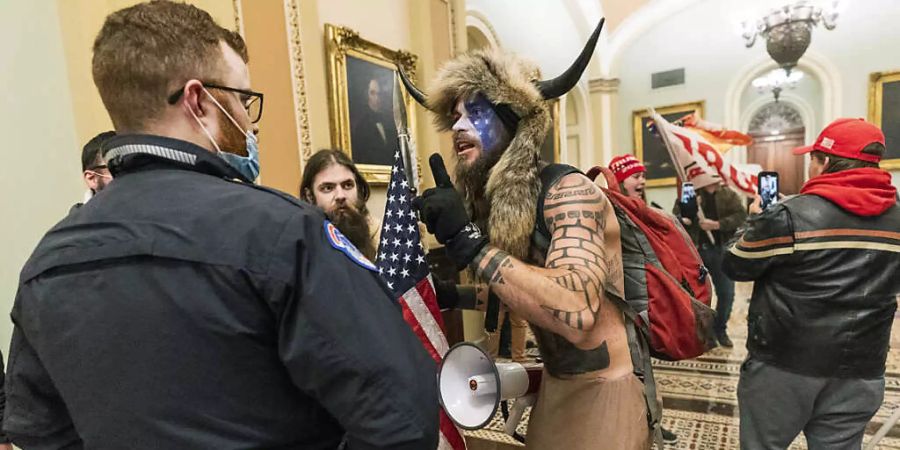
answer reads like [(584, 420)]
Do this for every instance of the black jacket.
[(183, 310), (730, 213), (825, 284)]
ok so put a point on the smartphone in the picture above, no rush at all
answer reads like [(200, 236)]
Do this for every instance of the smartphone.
[(768, 188), (688, 200)]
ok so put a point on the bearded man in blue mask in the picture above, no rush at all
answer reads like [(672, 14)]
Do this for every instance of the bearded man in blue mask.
[(546, 242), (186, 307)]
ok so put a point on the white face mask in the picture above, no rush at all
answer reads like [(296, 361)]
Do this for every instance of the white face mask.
[(248, 166)]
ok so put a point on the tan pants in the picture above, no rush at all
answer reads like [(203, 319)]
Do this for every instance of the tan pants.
[(516, 335), (587, 412)]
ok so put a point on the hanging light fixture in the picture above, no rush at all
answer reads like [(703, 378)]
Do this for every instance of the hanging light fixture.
[(788, 30), (777, 80)]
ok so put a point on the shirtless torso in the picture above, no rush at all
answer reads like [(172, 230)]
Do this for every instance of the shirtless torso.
[(568, 294)]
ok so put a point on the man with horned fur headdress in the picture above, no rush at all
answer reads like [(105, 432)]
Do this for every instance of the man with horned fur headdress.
[(569, 291)]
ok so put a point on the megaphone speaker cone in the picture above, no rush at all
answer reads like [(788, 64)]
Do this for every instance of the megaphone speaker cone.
[(468, 384)]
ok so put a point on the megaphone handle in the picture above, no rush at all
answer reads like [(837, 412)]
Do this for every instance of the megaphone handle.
[(516, 414)]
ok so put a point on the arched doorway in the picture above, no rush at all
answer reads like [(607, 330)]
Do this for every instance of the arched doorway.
[(476, 39), (776, 129)]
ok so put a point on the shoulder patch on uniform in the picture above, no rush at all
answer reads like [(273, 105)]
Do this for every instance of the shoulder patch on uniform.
[(340, 242)]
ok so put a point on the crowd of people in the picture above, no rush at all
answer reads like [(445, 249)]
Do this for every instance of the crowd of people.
[(183, 306)]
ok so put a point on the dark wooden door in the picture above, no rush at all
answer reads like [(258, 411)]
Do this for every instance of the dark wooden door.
[(773, 153)]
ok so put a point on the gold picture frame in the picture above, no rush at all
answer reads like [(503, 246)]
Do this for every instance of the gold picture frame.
[(877, 82), (350, 59), (652, 152), (551, 146)]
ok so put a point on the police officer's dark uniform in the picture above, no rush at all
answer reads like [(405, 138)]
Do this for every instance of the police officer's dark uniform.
[(181, 310)]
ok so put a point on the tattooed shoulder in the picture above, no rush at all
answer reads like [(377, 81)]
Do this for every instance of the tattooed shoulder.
[(575, 199)]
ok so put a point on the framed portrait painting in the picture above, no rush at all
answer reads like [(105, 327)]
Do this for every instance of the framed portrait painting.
[(884, 111), (649, 148), (361, 83)]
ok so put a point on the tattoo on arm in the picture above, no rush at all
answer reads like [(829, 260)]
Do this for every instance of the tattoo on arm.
[(490, 270), (568, 291), (576, 216), (481, 296)]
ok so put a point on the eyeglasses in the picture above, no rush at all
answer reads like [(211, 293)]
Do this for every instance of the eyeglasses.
[(252, 101)]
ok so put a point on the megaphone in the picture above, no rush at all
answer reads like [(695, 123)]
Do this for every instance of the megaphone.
[(471, 387)]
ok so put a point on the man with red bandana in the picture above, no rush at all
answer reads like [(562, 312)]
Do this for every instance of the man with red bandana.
[(825, 265)]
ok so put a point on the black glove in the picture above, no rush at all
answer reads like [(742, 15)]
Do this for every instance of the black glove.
[(441, 209)]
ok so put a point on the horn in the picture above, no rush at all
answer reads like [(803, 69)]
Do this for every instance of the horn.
[(418, 95), (558, 86)]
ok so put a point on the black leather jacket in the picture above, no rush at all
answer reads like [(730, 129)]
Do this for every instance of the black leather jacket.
[(825, 285)]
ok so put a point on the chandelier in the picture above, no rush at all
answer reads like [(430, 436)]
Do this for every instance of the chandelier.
[(777, 80), (788, 30)]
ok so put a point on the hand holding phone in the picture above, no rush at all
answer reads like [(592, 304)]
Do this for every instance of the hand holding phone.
[(768, 189), (688, 201)]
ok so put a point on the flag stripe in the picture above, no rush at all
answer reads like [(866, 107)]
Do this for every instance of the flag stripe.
[(413, 322), (426, 320), (450, 432), (429, 297)]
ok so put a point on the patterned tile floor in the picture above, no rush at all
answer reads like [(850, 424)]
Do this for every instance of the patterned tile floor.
[(700, 396)]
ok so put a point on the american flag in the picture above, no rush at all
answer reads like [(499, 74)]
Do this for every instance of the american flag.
[(401, 262)]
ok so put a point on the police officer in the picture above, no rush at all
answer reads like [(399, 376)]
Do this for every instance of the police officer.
[(184, 307)]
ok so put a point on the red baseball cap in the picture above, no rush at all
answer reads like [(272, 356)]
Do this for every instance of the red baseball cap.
[(624, 166), (846, 138)]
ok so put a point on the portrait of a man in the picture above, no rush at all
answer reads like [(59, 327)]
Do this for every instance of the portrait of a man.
[(373, 134)]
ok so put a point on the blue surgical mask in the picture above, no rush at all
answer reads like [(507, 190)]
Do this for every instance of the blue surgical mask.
[(248, 165)]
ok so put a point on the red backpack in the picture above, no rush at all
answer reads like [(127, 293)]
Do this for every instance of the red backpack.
[(667, 287)]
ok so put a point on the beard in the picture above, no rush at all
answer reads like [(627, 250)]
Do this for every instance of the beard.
[(354, 224), (472, 181), (230, 139)]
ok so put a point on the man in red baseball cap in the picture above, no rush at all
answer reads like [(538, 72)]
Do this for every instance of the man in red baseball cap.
[(824, 263)]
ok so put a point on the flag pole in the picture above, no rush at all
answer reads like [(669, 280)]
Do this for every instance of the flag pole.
[(407, 147)]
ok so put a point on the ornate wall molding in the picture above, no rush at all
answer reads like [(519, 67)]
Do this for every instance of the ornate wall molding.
[(604, 85), (479, 20), (298, 79), (452, 24), (238, 17), (775, 117)]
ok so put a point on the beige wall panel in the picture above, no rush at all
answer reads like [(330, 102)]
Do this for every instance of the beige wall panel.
[(265, 30), (42, 179), (80, 21)]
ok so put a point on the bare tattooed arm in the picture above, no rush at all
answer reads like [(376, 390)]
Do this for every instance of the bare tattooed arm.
[(564, 296)]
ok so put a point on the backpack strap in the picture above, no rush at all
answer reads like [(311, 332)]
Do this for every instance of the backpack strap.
[(550, 175), (638, 338)]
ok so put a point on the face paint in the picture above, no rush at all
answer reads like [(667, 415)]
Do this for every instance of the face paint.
[(486, 123)]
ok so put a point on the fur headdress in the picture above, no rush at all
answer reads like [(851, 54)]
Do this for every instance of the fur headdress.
[(514, 83)]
